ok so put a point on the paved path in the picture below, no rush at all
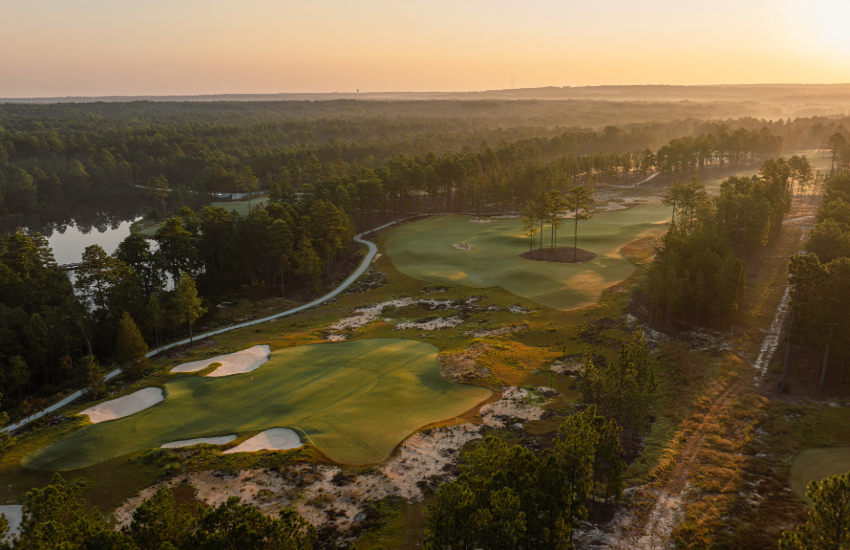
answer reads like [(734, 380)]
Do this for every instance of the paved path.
[(335, 292)]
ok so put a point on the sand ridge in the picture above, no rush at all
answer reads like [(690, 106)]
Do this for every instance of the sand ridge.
[(239, 362), (124, 406), (220, 440), (274, 439)]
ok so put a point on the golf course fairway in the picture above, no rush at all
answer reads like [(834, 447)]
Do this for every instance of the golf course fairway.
[(817, 464), (354, 401), (425, 250)]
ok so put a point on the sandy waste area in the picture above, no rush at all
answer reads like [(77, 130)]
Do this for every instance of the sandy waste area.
[(13, 513), (240, 362), (462, 246), (339, 331), (328, 496), (124, 406)]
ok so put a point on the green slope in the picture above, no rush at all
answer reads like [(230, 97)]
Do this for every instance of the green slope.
[(354, 401), (424, 250)]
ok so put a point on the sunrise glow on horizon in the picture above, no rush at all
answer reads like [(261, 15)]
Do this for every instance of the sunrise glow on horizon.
[(98, 48)]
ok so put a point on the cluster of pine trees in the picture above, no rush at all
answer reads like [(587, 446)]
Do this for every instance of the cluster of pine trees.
[(57, 516), (513, 498), (58, 333), (820, 281), (510, 497), (702, 259)]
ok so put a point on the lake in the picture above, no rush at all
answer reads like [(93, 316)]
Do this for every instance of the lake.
[(71, 228)]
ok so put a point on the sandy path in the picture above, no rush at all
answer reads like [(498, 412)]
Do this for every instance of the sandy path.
[(232, 363), (221, 440), (124, 406), (275, 439), (13, 513)]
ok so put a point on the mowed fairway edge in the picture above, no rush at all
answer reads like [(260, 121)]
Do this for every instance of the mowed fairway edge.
[(425, 250), (817, 464), (354, 401)]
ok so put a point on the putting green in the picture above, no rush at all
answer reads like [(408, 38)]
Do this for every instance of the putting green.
[(354, 401), (817, 464), (425, 250)]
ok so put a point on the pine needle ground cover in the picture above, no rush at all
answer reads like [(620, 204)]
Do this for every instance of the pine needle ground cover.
[(354, 401), (818, 464), (425, 250)]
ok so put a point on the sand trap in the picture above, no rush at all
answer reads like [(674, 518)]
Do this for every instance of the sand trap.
[(221, 440), (124, 406), (13, 513), (463, 246), (480, 220), (275, 439), (232, 363)]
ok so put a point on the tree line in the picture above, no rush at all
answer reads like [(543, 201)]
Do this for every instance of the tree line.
[(55, 153), (56, 516), (701, 263), (820, 282)]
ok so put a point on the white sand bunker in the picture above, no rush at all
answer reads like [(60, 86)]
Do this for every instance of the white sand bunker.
[(232, 363), (463, 246), (14, 513), (221, 440), (124, 406), (480, 220), (275, 439)]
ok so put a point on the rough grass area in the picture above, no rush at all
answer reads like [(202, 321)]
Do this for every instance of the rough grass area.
[(425, 250), (354, 401)]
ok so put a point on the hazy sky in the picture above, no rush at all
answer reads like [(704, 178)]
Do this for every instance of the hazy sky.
[(135, 47)]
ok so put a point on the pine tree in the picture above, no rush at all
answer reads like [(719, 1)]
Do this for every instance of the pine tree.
[(131, 348), (828, 527), (187, 302)]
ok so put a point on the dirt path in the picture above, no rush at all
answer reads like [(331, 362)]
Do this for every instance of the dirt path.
[(650, 523)]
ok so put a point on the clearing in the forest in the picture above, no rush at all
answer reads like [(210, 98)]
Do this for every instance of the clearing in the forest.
[(354, 401), (426, 250)]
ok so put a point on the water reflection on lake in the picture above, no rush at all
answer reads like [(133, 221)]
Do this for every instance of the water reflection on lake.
[(71, 228)]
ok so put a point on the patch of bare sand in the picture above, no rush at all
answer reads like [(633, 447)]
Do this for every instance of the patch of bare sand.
[(330, 496), (275, 439), (463, 246), (124, 406), (487, 333), (14, 514), (431, 324), (476, 219), (220, 440), (240, 362)]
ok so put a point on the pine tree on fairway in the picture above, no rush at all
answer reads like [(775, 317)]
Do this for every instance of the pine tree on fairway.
[(579, 201), (131, 348)]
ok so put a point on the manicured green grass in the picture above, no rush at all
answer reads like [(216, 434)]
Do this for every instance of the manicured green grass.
[(354, 401), (425, 250), (817, 464)]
